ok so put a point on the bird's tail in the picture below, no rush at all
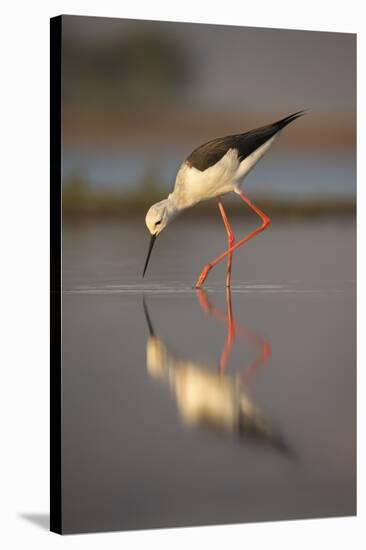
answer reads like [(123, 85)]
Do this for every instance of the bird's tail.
[(290, 118)]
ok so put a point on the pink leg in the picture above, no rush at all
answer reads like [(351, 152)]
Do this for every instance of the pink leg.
[(265, 223), (230, 240)]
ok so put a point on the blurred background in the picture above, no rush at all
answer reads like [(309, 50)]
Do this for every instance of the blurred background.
[(139, 96)]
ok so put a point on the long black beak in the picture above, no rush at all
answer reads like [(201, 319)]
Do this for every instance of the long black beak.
[(153, 238)]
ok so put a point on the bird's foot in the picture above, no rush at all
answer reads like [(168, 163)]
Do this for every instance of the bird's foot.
[(201, 279), (228, 280)]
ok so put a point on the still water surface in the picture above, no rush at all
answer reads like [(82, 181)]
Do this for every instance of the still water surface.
[(188, 408)]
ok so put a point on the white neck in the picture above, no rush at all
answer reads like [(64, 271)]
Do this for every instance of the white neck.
[(172, 208)]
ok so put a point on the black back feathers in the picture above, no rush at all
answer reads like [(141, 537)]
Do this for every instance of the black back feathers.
[(211, 152)]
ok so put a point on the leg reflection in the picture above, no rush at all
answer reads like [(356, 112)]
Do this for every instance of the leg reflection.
[(234, 331)]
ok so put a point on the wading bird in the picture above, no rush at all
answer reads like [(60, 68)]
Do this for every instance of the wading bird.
[(212, 170)]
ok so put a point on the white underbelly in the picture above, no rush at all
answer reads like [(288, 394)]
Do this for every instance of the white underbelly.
[(210, 187)]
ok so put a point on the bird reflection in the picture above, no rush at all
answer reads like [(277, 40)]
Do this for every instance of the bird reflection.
[(212, 398)]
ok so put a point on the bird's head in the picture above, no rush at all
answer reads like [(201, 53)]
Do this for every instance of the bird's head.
[(157, 218)]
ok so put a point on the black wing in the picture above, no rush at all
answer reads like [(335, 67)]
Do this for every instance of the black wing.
[(211, 152)]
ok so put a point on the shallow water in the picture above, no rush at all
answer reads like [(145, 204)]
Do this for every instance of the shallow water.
[(188, 408)]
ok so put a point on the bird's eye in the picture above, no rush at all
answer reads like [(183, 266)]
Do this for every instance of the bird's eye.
[(157, 223)]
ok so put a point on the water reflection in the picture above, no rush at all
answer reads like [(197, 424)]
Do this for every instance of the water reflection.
[(214, 399)]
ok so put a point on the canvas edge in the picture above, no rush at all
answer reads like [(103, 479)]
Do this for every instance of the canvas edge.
[(55, 275)]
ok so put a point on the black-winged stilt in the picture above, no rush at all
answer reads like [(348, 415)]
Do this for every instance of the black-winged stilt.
[(212, 170)]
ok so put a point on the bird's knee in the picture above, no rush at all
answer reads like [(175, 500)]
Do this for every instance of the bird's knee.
[(266, 223), (206, 269)]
